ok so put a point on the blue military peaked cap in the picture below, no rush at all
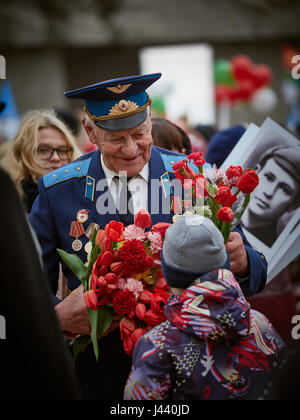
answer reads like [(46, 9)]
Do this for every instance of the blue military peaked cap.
[(117, 104)]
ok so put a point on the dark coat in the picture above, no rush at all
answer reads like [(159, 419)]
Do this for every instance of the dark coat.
[(34, 362)]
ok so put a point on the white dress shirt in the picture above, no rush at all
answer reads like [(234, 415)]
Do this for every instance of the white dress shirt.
[(138, 186)]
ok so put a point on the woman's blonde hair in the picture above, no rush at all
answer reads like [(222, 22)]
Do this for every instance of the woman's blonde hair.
[(21, 160)]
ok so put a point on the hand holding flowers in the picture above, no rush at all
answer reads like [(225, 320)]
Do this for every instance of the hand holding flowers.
[(122, 279)]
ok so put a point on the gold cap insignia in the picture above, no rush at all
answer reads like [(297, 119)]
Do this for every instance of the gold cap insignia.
[(122, 107), (119, 88)]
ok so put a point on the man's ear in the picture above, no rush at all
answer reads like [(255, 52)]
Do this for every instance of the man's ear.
[(88, 126)]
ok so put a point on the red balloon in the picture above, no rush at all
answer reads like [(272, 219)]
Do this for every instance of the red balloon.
[(262, 76), (243, 91), (223, 94), (241, 67)]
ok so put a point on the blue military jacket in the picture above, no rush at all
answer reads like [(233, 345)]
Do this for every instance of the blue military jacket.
[(73, 187)]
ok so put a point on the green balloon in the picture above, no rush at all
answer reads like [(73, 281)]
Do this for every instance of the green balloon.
[(222, 72), (158, 105)]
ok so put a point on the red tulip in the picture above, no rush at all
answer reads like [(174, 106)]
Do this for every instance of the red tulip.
[(128, 345), (100, 237), (225, 214), (140, 310), (153, 318), (136, 335), (248, 181), (91, 299), (100, 285), (234, 171), (102, 270), (222, 194), (161, 227), (111, 278), (142, 219), (114, 230), (106, 245), (127, 326), (145, 297), (117, 268), (106, 258)]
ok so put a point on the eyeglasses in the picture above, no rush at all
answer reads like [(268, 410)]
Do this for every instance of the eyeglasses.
[(46, 153)]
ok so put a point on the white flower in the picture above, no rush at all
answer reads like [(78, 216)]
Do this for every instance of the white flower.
[(156, 242), (134, 286), (134, 232)]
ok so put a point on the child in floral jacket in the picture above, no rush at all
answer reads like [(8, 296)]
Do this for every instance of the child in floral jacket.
[(213, 345)]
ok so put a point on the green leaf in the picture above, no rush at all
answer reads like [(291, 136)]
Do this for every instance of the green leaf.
[(94, 237), (75, 264), (105, 319), (226, 231), (93, 318), (100, 321)]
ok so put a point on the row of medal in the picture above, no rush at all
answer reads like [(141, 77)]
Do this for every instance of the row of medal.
[(77, 230)]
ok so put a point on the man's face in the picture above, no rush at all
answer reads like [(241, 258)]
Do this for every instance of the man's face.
[(125, 150), (275, 194)]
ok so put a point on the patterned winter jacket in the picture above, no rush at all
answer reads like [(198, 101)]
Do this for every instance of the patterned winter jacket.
[(212, 346)]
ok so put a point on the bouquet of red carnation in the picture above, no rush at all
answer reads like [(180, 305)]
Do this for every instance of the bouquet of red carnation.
[(221, 195), (122, 279)]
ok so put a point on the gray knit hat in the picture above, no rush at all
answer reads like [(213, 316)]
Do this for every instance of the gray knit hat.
[(193, 245)]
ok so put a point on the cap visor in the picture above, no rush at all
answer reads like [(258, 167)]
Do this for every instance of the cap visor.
[(124, 123)]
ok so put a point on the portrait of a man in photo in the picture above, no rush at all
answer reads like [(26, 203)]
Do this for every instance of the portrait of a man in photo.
[(275, 200)]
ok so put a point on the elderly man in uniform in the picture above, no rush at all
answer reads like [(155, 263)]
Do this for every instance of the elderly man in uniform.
[(277, 195), (88, 190)]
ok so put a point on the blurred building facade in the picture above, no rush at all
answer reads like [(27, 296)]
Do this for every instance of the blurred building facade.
[(52, 45)]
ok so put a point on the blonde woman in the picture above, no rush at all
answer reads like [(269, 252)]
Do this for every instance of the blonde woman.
[(43, 143)]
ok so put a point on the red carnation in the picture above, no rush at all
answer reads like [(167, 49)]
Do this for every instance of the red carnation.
[(201, 190), (178, 165), (197, 158), (248, 181), (225, 214), (134, 257), (179, 175), (124, 302)]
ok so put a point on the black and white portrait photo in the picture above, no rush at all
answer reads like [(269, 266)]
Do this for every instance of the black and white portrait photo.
[(277, 197), (271, 219)]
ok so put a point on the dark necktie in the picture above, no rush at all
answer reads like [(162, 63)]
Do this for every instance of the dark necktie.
[(125, 202)]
